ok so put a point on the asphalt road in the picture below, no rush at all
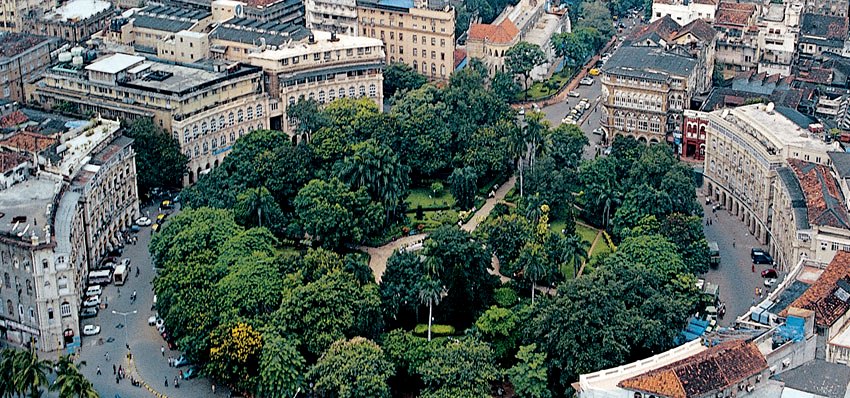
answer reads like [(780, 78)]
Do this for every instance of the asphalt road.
[(145, 342)]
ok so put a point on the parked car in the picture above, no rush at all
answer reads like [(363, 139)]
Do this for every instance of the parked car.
[(594, 72), (574, 94), (182, 361), (190, 373), (152, 320), (95, 290), (768, 273), (93, 301), (91, 330), (597, 131), (763, 259), (161, 217), (587, 81), (90, 312), (125, 262), (156, 227), (756, 252), (769, 282), (144, 221), (135, 228)]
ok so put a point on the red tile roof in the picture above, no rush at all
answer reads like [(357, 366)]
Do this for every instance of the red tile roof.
[(459, 55), (734, 14), (665, 27), (10, 160), (824, 201), (714, 369), (816, 75), (502, 33), (699, 28), (821, 296), (27, 141), (13, 119)]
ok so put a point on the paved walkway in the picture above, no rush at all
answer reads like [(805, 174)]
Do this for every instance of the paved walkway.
[(378, 255)]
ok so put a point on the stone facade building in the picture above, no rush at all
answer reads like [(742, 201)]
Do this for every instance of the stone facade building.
[(419, 35), (74, 21), (22, 55), (339, 16)]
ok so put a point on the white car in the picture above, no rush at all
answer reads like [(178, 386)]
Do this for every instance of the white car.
[(91, 330), (160, 323), (92, 301), (574, 94), (144, 222), (769, 282), (152, 320), (587, 81)]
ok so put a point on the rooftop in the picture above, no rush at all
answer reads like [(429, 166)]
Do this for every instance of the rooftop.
[(798, 198), (712, 370), (191, 14), (665, 27), (115, 63), (699, 28), (778, 128), (502, 33), (29, 142), (13, 44), (161, 23), (250, 31), (11, 160), (653, 64), (734, 14), (25, 206), (840, 163), (824, 26), (824, 297), (75, 10), (824, 200), (818, 377), (322, 44)]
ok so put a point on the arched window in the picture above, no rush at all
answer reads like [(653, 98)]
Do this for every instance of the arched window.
[(204, 128), (29, 287), (186, 136), (331, 95), (221, 121), (321, 96), (442, 70), (9, 307), (351, 91), (206, 147), (362, 90), (6, 280), (415, 65), (197, 150), (291, 100), (250, 113), (433, 69), (215, 143), (194, 131), (241, 132), (373, 91), (259, 111), (424, 68), (240, 116), (65, 309), (342, 93), (232, 136), (223, 140), (213, 125), (311, 96), (230, 119)]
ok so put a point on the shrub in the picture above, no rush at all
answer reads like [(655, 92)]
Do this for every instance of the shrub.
[(436, 330), (505, 297)]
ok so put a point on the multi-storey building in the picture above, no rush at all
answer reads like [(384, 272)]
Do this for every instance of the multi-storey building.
[(338, 16), (745, 148), (59, 217), (836, 8), (652, 78), (325, 67), (778, 32), (684, 11), (74, 21), (12, 12), (822, 33), (237, 38), (206, 108), (280, 11), (22, 55), (149, 28), (421, 36)]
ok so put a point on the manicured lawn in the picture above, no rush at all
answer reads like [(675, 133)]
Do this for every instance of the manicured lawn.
[(433, 219), (425, 198), (539, 90), (588, 234)]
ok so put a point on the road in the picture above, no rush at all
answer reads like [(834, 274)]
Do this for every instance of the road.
[(143, 340)]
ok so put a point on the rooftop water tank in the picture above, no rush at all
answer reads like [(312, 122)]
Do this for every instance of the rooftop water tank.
[(77, 51), (78, 60), (65, 57)]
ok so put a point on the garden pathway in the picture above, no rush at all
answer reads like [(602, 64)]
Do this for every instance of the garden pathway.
[(378, 255)]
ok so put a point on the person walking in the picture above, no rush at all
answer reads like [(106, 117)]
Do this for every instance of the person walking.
[(114, 370), (98, 371), (162, 350), (166, 381), (107, 356), (213, 388)]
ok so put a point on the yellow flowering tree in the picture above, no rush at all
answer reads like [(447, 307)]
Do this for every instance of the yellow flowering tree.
[(235, 354)]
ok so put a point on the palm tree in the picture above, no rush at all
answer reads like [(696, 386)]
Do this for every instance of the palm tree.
[(430, 293), (516, 147), (532, 261), (257, 201), (377, 168), (31, 372), (70, 383), (575, 252), (7, 368), (536, 136)]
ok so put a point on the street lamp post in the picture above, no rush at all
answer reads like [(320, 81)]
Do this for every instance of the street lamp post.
[(124, 314)]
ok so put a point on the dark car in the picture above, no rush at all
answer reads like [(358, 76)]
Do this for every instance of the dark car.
[(768, 273), (763, 259), (89, 312), (756, 252)]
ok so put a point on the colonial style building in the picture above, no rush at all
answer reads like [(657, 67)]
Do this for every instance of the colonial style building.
[(152, 27), (22, 55), (421, 35), (324, 68), (822, 33), (339, 16), (280, 11), (684, 11), (206, 108), (653, 77), (65, 210), (74, 21), (836, 8)]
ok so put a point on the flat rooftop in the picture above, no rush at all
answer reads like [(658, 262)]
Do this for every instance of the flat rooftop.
[(778, 128), (322, 44), (78, 150), (75, 10), (115, 63), (13, 44), (27, 202)]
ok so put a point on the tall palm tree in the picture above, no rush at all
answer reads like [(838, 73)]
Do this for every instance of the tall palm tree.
[(31, 372), (377, 168), (533, 263), (255, 201), (536, 136), (7, 368), (430, 293), (70, 383), (516, 140), (575, 252)]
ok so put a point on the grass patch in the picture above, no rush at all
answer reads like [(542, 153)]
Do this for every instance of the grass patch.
[(436, 330), (425, 198), (433, 219), (587, 234), (545, 88)]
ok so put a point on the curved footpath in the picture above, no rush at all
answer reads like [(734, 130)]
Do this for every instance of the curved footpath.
[(378, 255)]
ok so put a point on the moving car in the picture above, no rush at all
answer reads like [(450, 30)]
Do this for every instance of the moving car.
[(768, 273), (587, 81), (91, 330), (574, 94), (597, 131), (90, 312), (93, 301), (144, 221)]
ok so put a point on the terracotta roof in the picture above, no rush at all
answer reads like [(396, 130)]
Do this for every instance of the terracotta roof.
[(13, 119), (665, 27), (710, 2), (734, 17), (459, 55), (699, 28), (27, 141), (503, 33), (825, 26), (824, 200), (816, 75), (823, 296), (10, 160), (714, 369)]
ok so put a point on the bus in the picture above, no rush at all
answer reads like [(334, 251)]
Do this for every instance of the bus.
[(120, 275), (713, 254), (102, 277)]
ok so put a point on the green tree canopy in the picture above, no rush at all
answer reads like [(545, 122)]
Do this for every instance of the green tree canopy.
[(458, 368), (399, 77), (159, 162), (522, 58), (333, 214), (352, 369)]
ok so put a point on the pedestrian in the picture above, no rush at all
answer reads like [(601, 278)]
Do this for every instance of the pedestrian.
[(733, 242), (162, 350), (107, 356), (114, 370), (120, 369), (117, 380), (754, 268), (176, 382), (166, 381), (98, 371), (213, 388)]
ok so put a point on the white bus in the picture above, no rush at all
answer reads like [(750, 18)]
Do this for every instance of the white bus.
[(119, 276), (102, 277)]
